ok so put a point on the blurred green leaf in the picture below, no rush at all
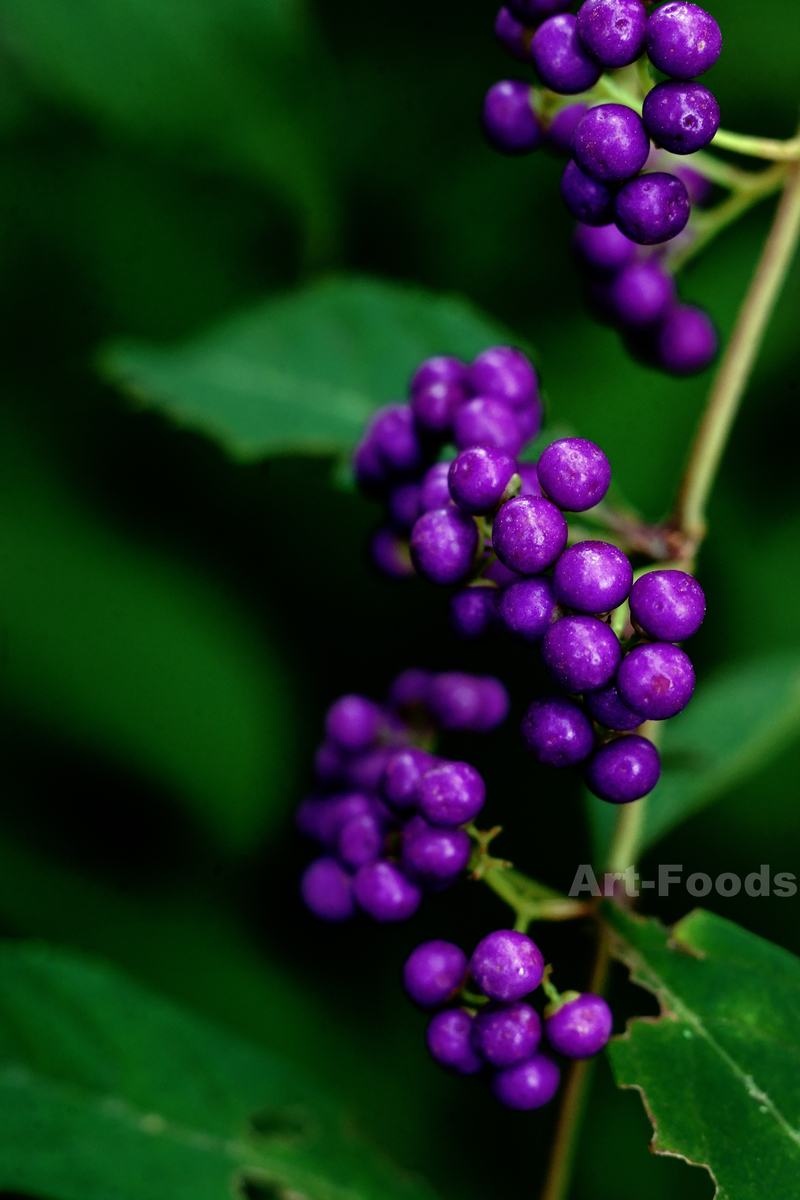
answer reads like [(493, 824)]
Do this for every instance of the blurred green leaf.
[(719, 1072), (735, 724), (109, 1090), (301, 374), (123, 650)]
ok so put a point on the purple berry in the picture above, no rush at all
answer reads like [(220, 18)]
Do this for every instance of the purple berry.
[(681, 117), (652, 208), (403, 772), (529, 478), (606, 707), (529, 534), (451, 794), (557, 732), (505, 373), (610, 143), (500, 574), (393, 431), (529, 420), (683, 40), (410, 689), (494, 705), (574, 473), (590, 202), (474, 612), (448, 1039), (391, 554), (404, 504), (440, 369), (487, 421), (509, 121), (560, 60), (528, 608), (434, 972), (623, 770), (529, 1085), (562, 126), (369, 467), (364, 771), (535, 11), (612, 30), (641, 294), (478, 478), (581, 1027), (668, 605), (353, 722), (656, 680), (507, 1035), (687, 340), (512, 35), (455, 699), (360, 840), (327, 890), (383, 891), (443, 545), (581, 654), (435, 406), (603, 248), (433, 856), (435, 487), (592, 577), (699, 188), (506, 965)]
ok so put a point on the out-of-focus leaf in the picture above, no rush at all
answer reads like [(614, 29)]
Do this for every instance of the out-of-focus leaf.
[(734, 724), (301, 374), (109, 1090), (719, 1072), (118, 648)]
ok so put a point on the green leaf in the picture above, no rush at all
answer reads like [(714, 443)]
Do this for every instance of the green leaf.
[(301, 374), (108, 1091), (735, 724), (719, 1071)]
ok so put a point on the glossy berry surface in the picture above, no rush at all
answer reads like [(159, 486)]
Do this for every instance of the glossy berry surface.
[(574, 473), (442, 368), (506, 373), (603, 248), (403, 772), (606, 707), (474, 612), (353, 722), (360, 840), (512, 35), (563, 125), (507, 1035), (682, 40), (506, 965), (668, 605), (431, 856), (560, 59), (443, 544), (527, 1086), (610, 143), (435, 406), (434, 490), (434, 972), (528, 608), (509, 121), (529, 534), (478, 478), (580, 1027), (557, 732), (641, 294), (449, 1044), (581, 654), (383, 891), (687, 340), (612, 30), (592, 577), (590, 202), (652, 208), (451, 794), (487, 421), (623, 770), (327, 890), (656, 680), (681, 117)]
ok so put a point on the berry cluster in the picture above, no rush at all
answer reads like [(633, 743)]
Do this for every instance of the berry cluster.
[(615, 180), (389, 813), (497, 1028)]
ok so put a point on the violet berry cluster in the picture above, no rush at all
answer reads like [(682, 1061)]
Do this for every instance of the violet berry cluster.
[(616, 179), (388, 812), (498, 1029)]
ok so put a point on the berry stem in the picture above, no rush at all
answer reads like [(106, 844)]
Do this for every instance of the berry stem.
[(758, 147)]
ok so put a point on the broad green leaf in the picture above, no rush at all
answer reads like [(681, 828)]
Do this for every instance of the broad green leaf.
[(109, 1091), (719, 1071), (734, 724), (137, 656), (302, 373)]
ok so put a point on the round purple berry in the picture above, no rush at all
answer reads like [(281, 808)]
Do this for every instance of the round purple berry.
[(443, 544), (506, 373), (507, 1035), (506, 965), (623, 770), (606, 707), (610, 143), (435, 406), (353, 722), (403, 772), (574, 473), (487, 421), (448, 1039), (369, 467), (529, 1085), (512, 35), (442, 368), (454, 699), (383, 891), (562, 126), (391, 554), (641, 294), (434, 972), (478, 478), (509, 121), (529, 534), (327, 890), (681, 117), (687, 340), (364, 771), (494, 705), (474, 612), (581, 654), (404, 504), (557, 732), (560, 60), (612, 30), (360, 840), (393, 431), (529, 420), (603, 248), (652, 208), (580, 1027), (451, 794), (433, 856), (528, 608), (435, 487), (699, 188), (410, 689), (592, 577), (590, 202), (668, 605), (656, 680), (682, 40)]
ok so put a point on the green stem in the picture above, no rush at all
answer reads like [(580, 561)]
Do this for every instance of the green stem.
[(758, 147), (706, 225)]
